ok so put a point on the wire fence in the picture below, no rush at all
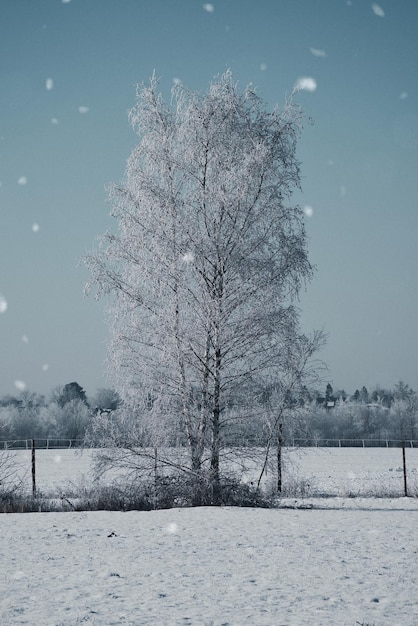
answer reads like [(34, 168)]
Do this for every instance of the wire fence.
[(56, 444), (41, 444), (331, 467), (352, 471)]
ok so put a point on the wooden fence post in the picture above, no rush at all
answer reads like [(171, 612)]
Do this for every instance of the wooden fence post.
[(33, 470), (405, 486), (279, 457), (155, 476)]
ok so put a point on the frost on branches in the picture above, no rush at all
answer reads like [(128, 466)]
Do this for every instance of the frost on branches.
[(203, 271)]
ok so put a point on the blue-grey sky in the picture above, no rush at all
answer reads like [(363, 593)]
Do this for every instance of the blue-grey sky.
[(68, 72)]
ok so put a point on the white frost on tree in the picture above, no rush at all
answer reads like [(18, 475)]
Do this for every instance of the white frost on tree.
[(204, 268)]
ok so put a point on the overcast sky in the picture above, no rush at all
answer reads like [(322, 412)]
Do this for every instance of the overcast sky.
[(68, 74)]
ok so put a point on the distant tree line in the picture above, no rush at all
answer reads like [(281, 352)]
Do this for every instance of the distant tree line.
[(382, 414), (66, 414), (379, 414)]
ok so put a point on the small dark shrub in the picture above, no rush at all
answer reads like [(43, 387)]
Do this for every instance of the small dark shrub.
[(236, 493)]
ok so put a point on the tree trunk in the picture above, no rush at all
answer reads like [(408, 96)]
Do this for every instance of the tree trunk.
[(197, 478), (215, 482), (218, 292)]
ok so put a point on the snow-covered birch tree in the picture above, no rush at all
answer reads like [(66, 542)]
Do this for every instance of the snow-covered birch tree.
[(205, 267)]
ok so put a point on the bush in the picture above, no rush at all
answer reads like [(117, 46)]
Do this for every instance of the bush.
[(21, 502), (236, 493), (163, 493)]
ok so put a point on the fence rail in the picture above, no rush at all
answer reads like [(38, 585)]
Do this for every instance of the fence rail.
[(53, 444), (354, 443), (41, 444)]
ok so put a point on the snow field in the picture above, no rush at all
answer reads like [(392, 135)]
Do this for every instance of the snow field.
[(210, 566), (336, 561)]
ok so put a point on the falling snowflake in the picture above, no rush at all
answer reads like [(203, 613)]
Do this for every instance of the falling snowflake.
[(188, 257), (263, 67), (25, 339), (318, 53), (54, 121), (177, 81), (343, 191), (308, 210), (35, 227), (45, 367), (49, 84), (57, 458), (22, 181), (83, 109), (209, 7), (19, 384), (3, 304), (377, 10), (306, 83), (65, 1), (403, 95), (172, 528)]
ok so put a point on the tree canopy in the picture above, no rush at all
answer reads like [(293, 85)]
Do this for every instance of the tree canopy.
[(207, 262)]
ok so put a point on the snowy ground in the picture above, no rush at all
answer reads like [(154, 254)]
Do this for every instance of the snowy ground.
[(335, 561), (209, 566)]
